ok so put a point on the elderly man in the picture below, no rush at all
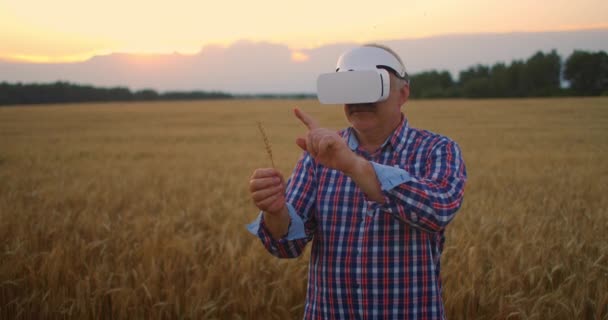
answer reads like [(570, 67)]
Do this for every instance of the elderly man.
[(375, 197)]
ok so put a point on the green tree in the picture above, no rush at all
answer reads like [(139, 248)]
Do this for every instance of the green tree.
[(475, 82), (432, 84), (587, 72), (542, 74), (500, 84)]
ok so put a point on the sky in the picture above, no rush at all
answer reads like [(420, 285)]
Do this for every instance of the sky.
[(76, 30)]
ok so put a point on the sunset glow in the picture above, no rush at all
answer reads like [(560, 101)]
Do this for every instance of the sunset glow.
[(298, 56), (70, 30)]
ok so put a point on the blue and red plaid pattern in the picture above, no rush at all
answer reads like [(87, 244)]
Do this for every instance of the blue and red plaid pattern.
[(371, 260)]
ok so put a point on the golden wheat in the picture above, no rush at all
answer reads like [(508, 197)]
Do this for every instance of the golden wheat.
[(137, 210), (267, 144)]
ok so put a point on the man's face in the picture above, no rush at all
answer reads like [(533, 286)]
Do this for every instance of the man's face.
[(368, 116)]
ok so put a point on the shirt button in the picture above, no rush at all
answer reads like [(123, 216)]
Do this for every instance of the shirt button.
[(414, 217)]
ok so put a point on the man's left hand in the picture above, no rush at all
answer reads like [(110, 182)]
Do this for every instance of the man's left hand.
[(325, 146)]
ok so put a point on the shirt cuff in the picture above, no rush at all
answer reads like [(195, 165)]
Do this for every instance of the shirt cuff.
[(296, 226), (390, 177)]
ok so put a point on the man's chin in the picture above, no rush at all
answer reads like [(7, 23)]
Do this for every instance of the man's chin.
[(362, 120)]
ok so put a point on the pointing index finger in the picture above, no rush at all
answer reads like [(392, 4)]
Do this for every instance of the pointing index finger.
[(307, 120)]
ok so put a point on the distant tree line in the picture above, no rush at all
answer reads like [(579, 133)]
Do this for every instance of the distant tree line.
[(290, 96), (64, 92), (541, 75), (61, 92)]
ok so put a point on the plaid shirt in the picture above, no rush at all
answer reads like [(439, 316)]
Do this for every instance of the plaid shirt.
[(372, 260)]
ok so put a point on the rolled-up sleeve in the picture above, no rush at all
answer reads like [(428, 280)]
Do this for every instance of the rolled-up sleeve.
[(390, 177), (296, 225), (300, 196), (428, 202)]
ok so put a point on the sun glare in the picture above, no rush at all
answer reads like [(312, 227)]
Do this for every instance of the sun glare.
[(298, 56), (48, 59)]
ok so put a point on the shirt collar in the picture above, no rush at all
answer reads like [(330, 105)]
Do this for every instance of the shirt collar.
[(396, 139)]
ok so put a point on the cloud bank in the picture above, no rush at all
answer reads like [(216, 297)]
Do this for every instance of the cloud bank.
[(259, 67)]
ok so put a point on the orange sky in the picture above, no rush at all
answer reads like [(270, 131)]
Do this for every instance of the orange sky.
[(71, 30)]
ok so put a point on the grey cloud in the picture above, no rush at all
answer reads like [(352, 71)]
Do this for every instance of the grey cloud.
[(260, 67)]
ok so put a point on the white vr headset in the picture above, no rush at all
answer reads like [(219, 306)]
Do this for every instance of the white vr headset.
[(361, 76)]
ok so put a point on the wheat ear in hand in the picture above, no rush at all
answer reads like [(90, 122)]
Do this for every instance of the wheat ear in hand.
[(266, 142)]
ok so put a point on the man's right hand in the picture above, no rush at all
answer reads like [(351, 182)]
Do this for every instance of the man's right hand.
[(267, 188)]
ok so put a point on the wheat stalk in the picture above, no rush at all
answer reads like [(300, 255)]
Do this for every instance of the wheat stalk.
[(266, 142)]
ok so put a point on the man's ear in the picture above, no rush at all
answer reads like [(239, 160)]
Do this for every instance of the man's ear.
[(404, 94)]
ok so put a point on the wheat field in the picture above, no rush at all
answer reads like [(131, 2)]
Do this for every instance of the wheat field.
[(138, 210)]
